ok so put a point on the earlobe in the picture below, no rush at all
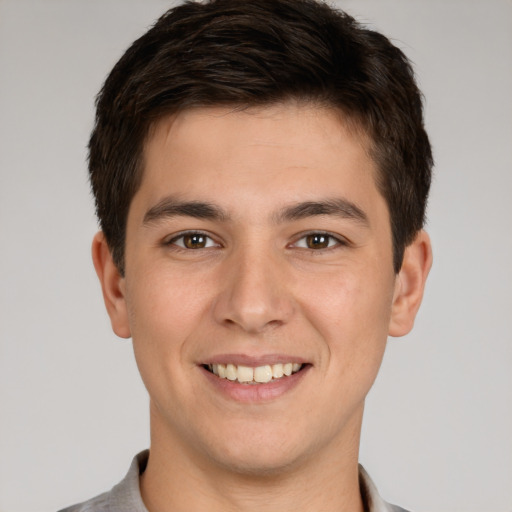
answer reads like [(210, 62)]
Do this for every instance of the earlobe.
[(410, 284), (112, 286)]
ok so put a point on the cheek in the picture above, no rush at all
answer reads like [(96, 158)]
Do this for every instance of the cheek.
[(165, 311), (351, 311), (166, 303), (163, 318)]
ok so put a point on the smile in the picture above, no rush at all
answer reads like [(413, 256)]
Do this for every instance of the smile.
[(257, 375)]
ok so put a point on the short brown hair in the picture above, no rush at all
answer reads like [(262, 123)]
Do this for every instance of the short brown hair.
[(233, 52)]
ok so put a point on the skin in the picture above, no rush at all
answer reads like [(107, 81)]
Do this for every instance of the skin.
[(252, 288)]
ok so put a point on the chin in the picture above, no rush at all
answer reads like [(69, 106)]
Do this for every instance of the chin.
[(260, 453), (261, 463)]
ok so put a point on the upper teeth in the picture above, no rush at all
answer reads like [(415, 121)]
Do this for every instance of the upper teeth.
[(259, 374)]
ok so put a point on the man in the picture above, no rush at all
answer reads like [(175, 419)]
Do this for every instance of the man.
[(261, 173)]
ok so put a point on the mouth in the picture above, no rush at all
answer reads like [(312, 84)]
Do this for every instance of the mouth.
[(254, 375)]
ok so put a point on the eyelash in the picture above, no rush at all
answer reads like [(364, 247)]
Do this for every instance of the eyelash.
[(333, 241), (181, 236)]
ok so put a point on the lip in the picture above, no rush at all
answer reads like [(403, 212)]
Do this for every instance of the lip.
[(254, 361), (254, 393)]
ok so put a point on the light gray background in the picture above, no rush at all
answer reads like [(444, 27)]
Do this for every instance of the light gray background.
[(73, 411)]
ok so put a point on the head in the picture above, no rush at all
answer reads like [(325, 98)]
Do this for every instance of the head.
[(254, 54), (261, 171)]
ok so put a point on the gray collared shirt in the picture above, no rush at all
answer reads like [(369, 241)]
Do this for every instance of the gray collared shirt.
[(125, 496)]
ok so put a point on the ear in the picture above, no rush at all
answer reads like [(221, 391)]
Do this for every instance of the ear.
[(112, 286), (410, 284)]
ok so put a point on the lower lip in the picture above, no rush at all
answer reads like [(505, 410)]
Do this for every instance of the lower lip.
[(250, 393)]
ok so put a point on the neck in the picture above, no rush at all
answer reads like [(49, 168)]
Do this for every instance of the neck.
[(177, 480)]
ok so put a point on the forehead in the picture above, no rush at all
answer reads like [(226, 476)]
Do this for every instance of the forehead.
[(256, 142)]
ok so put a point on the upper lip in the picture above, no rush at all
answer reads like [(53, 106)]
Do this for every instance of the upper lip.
[(254, 361)]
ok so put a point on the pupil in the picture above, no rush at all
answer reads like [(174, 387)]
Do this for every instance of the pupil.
[(318, 241), (195, 241)]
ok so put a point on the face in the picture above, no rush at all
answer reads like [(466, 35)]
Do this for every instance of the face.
[(257, 245)]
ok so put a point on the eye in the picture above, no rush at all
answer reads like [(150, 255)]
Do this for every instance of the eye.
[(318, 241), (193, 240)]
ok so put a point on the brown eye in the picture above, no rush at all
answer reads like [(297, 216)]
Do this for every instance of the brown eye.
[(195, 241), (317, 241)]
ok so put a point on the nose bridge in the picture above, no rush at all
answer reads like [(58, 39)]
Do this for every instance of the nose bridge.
[(254, 294)]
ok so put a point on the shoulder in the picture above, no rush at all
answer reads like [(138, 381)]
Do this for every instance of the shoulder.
[(97, 504), (396, 508), (124, 497)]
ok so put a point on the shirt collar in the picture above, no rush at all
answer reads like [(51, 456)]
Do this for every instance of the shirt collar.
[(371, 497), (126, 495)]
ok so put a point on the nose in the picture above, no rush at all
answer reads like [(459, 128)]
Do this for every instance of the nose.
[(255, 292)]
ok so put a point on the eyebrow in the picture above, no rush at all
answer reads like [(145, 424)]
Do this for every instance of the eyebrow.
[(170, 207), (337, 207)]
